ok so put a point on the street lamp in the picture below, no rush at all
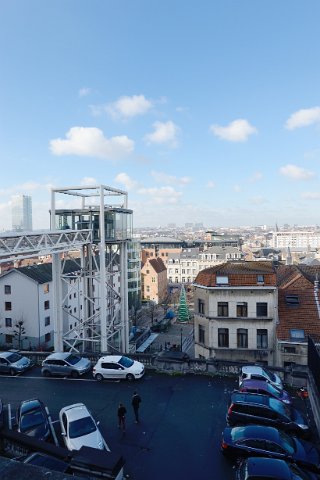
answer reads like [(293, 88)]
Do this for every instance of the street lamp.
[(180, 339)]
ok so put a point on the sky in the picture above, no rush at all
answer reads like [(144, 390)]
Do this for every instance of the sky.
[(202, 110)]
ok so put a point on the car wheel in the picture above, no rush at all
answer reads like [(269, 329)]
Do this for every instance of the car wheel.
[(74, 374), (130, 377), (12, 372), (99, 377), (46, 373)]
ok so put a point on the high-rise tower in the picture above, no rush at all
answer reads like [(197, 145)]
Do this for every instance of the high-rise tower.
[(21, 213)]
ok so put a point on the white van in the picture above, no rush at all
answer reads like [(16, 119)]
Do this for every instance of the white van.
[(255, 372)]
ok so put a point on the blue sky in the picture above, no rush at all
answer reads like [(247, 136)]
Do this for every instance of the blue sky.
[(204, 111)]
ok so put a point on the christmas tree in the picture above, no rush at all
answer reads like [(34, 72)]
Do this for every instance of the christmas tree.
[(183, 311)]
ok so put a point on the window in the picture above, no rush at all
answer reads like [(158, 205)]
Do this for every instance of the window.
[(223, 337), (46, 288), (47, 337), (183, 279), (222, 280), (8, 322), (147, 272), (7, 306), (260, 279), (9, 338), (148, 288), (176, 270), (242, 338), (297, 334), (46, 321), (183, 270), (242, 309), (201, 306), (262, 309), (289, 349), (201, 334), (74, 295), (223, 309), (153, 279), (7, 289), (292, 300), (46, 305), (262, 338)]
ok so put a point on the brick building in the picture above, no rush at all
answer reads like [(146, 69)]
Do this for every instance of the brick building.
[(154, 283)]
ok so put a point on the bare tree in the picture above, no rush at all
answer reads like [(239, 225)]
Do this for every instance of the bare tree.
[(135, 313), (152, 308), (18, 332)]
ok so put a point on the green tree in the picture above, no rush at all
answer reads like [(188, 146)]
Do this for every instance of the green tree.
[(183, 310)]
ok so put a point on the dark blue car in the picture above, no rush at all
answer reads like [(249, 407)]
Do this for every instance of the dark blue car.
[(261, 468), (262, 441), (32, 419)]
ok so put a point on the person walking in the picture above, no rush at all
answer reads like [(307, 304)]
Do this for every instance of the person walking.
[(122, 416), (135, 402)]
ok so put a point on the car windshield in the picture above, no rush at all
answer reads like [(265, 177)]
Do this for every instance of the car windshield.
[(14, 357), (269, 375), (31, 420), (82, 426), (287, 443), (126, 362), (273, 390), (73, 359), (280, 407)]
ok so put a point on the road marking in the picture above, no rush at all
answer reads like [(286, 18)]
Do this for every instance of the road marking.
[(54, 378)]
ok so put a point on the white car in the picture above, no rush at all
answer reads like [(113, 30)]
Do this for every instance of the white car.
[(117, 366), (79, 429), (255, 372)]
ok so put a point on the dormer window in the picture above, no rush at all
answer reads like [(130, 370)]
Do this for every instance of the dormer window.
[(260, 279), (222, 280), (297, 334)]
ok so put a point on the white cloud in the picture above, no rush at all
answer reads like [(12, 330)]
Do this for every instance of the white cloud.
[(164, 133), (128, 107), (311, 195), (210, 184), (84, 92), (88, 181), (161, 195), (296, 173), (258, 200), (255, 177), (161, 177), (237, 188), (303, 118), (91, 142), (124, 179), (26, 187), (237, 131)]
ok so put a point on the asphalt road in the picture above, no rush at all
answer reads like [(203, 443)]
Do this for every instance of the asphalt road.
[(182, 418)]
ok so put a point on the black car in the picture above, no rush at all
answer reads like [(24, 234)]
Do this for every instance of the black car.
[(261, 468), (262, 441), (255, 408), (32, 419)]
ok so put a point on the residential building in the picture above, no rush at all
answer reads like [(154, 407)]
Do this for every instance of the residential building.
[(21, 206), (153, 247), (154, 284), (299, 312), (296, 239), (184, 266), (236, 312)]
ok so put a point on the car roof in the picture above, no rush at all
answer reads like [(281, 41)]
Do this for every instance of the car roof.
[(255, 369), (75, 411), (265, 467), (256, 431), (253, 383), (111, 358), (7, 354), (244, 397), (58, 356), (27, 405)]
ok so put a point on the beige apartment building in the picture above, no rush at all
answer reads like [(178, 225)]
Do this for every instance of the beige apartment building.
[(154, 283)]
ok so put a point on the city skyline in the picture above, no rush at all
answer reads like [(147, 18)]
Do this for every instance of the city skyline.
[(203, 113)]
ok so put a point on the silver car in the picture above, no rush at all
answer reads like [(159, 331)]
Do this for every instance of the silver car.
[(13, 363), (65, 364)]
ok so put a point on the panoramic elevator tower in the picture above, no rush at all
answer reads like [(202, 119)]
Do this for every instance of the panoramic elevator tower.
[(100, 282)]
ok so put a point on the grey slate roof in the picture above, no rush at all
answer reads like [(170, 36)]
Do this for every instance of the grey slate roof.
[(43, 273)]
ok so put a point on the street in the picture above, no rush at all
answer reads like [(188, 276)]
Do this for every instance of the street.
[(182, 418)]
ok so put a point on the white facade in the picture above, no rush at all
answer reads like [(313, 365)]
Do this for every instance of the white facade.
[(21, 213), (295, 239)]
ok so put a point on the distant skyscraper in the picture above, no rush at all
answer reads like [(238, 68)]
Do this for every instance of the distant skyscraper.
[(21, 212)]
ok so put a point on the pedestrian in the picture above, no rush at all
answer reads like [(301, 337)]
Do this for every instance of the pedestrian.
[(122, 416), (136, 400)]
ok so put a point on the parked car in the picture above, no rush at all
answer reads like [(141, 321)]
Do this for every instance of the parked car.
[(255, 408), (32, 419), (262, 441), (65, 364), (173, 355), (1, 414), (260, 468), (13, 363), (117, 366), (79, 428), (255, 372), (265, 388), (46, 461)]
